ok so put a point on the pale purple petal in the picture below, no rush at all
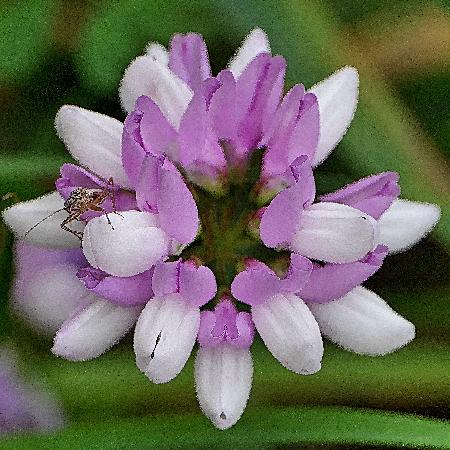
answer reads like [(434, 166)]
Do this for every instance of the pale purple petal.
[(93, 329), (276, 159), (223, 379), (222, 108), (255, 285), (225, 326), (188, 58), (177, 210), (333, 281), (198, 145), (305, 136), (197, 285), (157, 134), (122, 291), (372, 195), (281, 219), (133, 152), (258, 283), (148, 184), (258, 92), (162, 191), (207, 322), (298, 273)]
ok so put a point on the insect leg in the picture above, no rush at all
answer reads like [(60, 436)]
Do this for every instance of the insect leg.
[(100, 209), (69, 219), (113, 197)]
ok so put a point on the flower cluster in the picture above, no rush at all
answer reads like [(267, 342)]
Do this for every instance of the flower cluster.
[(201, 222)]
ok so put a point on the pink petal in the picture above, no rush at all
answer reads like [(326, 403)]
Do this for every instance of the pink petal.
[(188, 58), (372, 195)]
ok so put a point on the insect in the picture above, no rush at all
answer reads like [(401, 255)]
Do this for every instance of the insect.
[(80, 201)]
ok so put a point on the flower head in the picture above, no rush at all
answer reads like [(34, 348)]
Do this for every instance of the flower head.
[(208, 188)]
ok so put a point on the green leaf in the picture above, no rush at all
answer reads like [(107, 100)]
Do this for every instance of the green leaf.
[(26, 28), (261, 427), (119, 31), (111, 387), (36, 169)]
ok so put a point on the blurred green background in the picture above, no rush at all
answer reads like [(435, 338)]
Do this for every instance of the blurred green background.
[(57, 52)]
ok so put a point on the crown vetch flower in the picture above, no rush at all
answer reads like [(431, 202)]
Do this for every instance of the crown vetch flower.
[(207, 158), (167, 328), (223, 365)]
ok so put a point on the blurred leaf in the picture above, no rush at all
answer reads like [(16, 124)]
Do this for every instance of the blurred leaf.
[(119, 31), (30, 175), (26, 33), (434, 112), (414, 379), (259, 428)]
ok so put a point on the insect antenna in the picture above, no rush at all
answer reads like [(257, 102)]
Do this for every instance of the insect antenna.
[(42, 220)]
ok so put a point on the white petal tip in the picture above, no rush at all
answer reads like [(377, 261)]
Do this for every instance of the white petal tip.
[(223, 378), (93, 330), (224, 420), (363, 323), (401, 337), (337, 96), (158, 52), (64, 113), (256, 42), (407, 222), (398, 338)]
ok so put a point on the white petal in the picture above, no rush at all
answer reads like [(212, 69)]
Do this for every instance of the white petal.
[(254, 44), (335, 233), (94, 140), (131, 244), (363, 322), (290, 332), (150, 77), (164, 337), (93, 330), (223, 379), (158, 52), (337, 96), (50, 296), (23, 216), (406, 222)]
